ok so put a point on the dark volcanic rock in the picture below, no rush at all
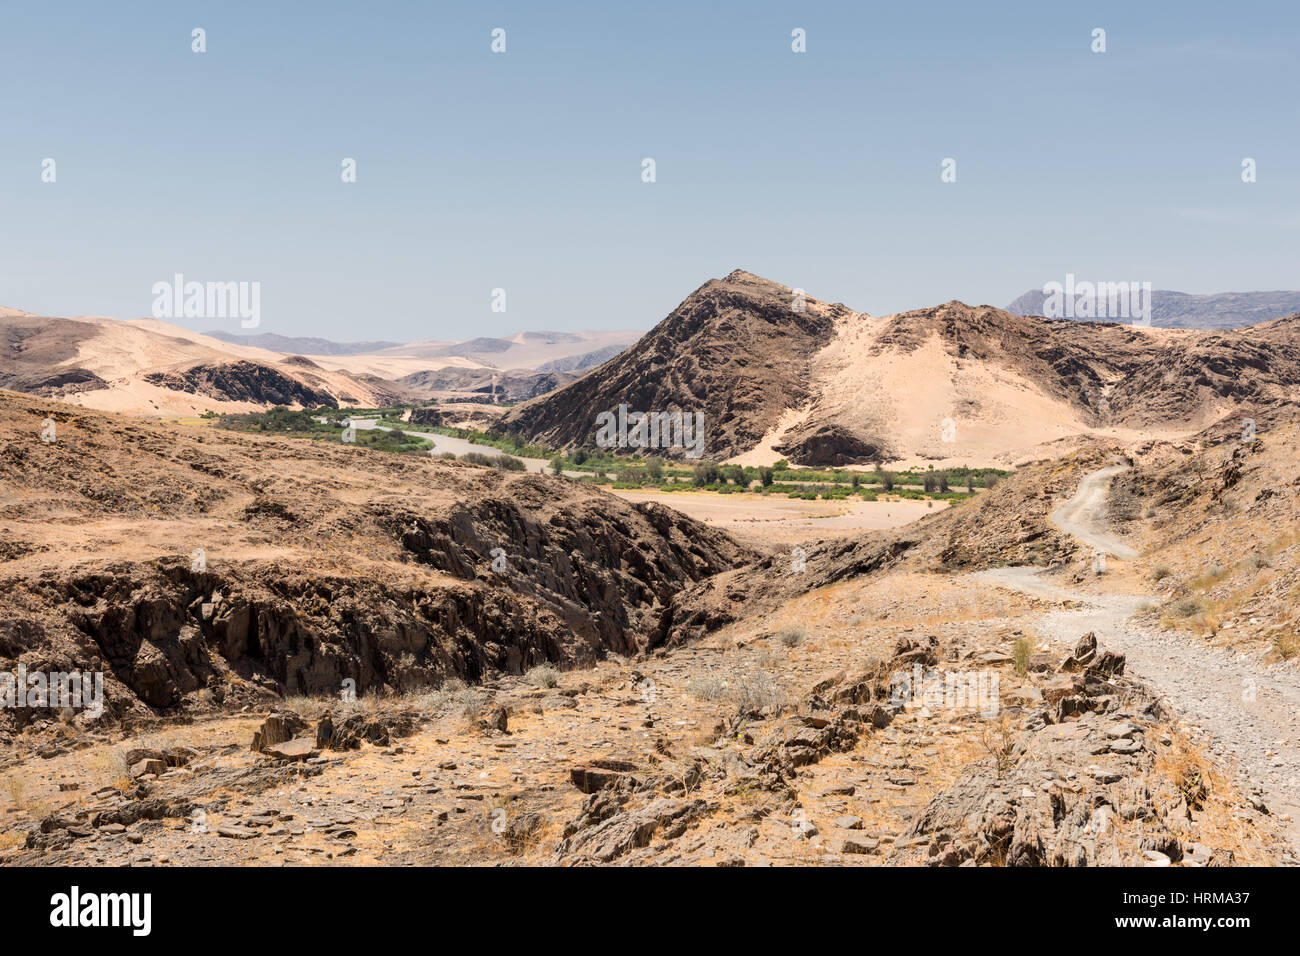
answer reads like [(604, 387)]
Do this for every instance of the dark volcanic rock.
[(832, 445)]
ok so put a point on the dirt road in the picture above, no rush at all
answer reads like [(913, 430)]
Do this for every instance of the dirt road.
[(1084, 515), (1248, 711)]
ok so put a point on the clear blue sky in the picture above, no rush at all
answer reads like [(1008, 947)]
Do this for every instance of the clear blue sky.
[(523, 170)]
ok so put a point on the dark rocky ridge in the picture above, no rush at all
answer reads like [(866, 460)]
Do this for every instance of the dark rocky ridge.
[(242, 382), (734, 350)]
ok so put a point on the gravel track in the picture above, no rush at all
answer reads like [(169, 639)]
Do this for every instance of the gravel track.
[(1247, 712)]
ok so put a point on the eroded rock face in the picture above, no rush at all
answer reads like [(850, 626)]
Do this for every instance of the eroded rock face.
[(1032, 814), (165, 633), (1062, 777), (279, 726), (605, 831)]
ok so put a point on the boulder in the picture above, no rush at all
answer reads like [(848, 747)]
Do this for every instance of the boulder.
[(300, 748), (597, 774), (279, 726), (146, 766), (496, 719)]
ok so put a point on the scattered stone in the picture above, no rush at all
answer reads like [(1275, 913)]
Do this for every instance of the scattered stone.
[(859, 845), (237, 832)]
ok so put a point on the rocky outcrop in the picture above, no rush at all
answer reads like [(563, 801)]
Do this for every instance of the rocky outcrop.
[(242, 382), (1062, 780), (427, 416), (605, 830), (832, 445)]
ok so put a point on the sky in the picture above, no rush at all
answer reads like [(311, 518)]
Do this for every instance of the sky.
[(523, 170)]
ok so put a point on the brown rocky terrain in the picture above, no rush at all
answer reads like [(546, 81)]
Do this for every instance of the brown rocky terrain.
[(708, 705), (320, 563)]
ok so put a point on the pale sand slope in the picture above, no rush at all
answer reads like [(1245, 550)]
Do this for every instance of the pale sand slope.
[(765, 453), (767, 521), (998, 417)]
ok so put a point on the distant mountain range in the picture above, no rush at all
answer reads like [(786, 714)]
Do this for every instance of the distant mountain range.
[(542, 351), (1179, 310), (300, 345)]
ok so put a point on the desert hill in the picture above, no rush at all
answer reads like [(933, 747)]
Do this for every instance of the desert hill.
[(149, 367), (733, 349), (952, 384)]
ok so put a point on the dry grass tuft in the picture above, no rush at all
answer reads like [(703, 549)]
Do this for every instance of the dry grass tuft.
[(1212, 799), (1286, 644)]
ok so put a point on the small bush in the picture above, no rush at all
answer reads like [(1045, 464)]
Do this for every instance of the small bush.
[(707, 688), (755, 691), (543, 675), (1160, 572), (750, 691), (1184, 607), (791, 635), (455, 697)]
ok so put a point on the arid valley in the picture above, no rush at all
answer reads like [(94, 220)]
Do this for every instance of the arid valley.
[(324, 649)]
